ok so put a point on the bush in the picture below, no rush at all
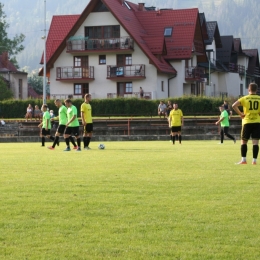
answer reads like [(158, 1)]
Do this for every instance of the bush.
[(119, 106)]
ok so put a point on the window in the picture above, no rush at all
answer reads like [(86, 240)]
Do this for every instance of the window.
[(81, 61), (124, 60), (168, 31), (162, 86), (81, 89), (128, 87), (102, 32), (102, 59), (77, 89), (128, 59), (124, 88)]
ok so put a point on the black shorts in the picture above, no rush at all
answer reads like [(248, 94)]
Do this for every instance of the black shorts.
[(45, 132), (250, 130), (176, 129), (88, 128), (225, 129), (61, 129), (72, 130)]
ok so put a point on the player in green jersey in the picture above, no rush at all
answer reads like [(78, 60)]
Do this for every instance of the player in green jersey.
[(72, 126), (86, 116), (224, 123), (250, 121), (45, 125), (62, 117)]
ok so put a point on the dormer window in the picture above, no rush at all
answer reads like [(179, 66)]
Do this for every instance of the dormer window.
[(168, 32)]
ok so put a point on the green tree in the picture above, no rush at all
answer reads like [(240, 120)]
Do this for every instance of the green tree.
[(13, 46), (5, 92), (36, 82)]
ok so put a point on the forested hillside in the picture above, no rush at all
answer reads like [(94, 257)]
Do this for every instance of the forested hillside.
[(239, 18)]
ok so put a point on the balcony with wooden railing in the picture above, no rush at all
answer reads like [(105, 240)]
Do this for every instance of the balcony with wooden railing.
[(147, 95), (80, 44), (193, 73), (71, 73), (136, 71), (257, 72), (235, 68)]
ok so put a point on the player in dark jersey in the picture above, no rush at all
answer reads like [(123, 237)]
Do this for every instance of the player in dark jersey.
[(250, 121)]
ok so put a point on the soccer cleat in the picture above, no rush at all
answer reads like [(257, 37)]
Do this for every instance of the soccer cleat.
[(51, 148), (254, 163), (75, 147), (78, 149), (67, 149), (241, 162), (220, 143), (87, 148)]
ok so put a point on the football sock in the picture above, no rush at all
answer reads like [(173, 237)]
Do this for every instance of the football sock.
[(78, 141), (180, 138), (85, 141), (173, 139), (243, 150), (43, 141), (72, 141), (255, 151), (88, 141), (52, 138), (230, 137), (56, 140), (67, 140), (221, 136)]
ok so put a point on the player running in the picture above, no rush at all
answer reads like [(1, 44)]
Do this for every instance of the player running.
[(72, 126), (86, 116), (250, 121)]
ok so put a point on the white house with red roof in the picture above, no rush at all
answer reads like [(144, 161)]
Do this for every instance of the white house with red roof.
[(15, 80), (115, 47)]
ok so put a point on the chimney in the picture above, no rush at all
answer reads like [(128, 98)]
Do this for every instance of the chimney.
[(141, 6), (5, 59)]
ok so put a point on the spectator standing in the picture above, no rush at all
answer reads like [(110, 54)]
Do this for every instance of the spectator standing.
[(162, 109), (224, 123), (250, 121), (141, 91)]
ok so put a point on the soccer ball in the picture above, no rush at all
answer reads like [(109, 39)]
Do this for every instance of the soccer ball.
[(101, 146)]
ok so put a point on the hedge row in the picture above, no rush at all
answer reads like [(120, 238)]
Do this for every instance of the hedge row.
[(119, 106)]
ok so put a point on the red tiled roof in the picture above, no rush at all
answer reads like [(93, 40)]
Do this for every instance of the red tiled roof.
[(7, 65), (146, 28), (59, 29)]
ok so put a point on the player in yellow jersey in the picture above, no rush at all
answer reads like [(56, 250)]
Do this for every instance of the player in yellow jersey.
[(176, 122), (250, 121), (86, 117)]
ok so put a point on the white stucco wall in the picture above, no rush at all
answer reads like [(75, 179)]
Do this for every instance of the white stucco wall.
[(14, 79), (100, 86)]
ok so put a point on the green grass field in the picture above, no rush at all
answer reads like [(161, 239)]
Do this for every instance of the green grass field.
[(133, 200)]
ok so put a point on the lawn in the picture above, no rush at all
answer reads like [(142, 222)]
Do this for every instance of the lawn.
[(133, 200)]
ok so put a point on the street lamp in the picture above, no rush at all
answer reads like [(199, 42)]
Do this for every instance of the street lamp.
[(44, 58)]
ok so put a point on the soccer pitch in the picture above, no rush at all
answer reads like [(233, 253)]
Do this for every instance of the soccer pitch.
[(133, 200)]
